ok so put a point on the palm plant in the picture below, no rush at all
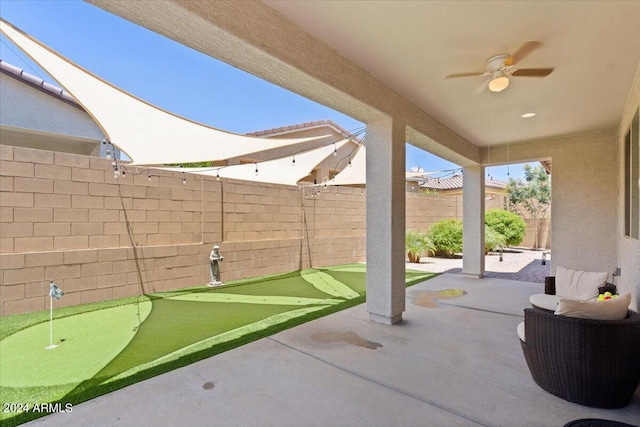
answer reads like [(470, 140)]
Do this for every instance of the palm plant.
[(416, 245)]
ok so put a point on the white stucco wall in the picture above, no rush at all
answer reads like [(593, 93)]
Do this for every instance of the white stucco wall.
[(23, 106), (628, 248)]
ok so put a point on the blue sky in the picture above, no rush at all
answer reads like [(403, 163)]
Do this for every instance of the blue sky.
[(172, 76)]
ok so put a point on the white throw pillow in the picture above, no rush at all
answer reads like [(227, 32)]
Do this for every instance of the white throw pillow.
[(577, 284), (613, 309)]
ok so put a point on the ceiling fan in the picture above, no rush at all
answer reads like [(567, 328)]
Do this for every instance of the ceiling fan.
[(501, 67)]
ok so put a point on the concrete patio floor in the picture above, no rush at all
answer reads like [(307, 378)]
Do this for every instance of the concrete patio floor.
[(456, 365)]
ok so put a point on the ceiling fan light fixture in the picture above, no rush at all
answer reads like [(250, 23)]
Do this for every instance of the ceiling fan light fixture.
[(499, 82)]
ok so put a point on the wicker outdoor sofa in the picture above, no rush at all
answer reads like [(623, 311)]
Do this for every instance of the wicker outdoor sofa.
[(589, 362)]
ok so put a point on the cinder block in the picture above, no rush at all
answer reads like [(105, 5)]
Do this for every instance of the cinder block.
[(14, 292), (60, 272), (31, 155), (6, 183), (100, 163), (181, 194), (111, 281), (52, 200), (117, 228), (71, 215), (33, 185), (33, 214), (101, 215), (145, 204), (73, 160), (90, 202), (133, 216), (23, 306), (87, 229), (124, 266), (70, 242), (97, 269), (104, 241), (23, 275), (169, 205), (79, 284), (145, 228), (42, 259), (70, 187), (87, 175), (17, 199), (158, 216), (194, 206), (6, 152), (37, 289), (131, 191), (103, 189), (33, 244), (62, 173), (125, 291), (80, 256), (112, 254), (162, 193), (6, 214), (6, 244), (96, 295), (159, 239), (12, 261), (118, 203), (16, 229)]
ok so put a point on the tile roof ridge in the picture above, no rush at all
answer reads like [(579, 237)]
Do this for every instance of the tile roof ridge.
[(299, 126), (38, 83)]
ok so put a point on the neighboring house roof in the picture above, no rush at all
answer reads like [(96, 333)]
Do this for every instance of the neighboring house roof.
[(455, 183), (37, 83), (300, 126)]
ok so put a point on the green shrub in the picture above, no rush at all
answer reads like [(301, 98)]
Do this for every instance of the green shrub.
[(417, 244), (509, 224), (446, 236), (493, 240)]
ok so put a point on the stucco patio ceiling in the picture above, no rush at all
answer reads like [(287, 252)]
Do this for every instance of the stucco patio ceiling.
[(411, 46)]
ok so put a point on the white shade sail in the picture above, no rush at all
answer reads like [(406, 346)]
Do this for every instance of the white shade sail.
[(147, 134), (278, 171), (356, 173)]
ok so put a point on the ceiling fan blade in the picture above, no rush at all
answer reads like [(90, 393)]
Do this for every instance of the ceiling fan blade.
[(453, 76), (481, 88), (524, 50), (532, 72)]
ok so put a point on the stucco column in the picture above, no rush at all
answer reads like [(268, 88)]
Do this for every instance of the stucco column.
[(385, 143), (473, 222)]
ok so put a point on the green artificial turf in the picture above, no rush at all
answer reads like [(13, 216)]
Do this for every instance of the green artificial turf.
[(109, 345)]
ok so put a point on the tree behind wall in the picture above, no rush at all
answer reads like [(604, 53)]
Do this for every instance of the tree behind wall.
[(532, 195)]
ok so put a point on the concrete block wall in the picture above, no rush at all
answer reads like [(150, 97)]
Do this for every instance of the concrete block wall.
[(64, 217)]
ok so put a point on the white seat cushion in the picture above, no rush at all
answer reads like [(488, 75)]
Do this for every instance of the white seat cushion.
[(548, 302), (521, 331), (577, 284)]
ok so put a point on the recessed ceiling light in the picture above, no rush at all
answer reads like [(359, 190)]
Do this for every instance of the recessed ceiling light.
[(527, 115)]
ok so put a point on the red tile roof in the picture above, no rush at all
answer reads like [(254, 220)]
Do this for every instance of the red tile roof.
[(455, 183)]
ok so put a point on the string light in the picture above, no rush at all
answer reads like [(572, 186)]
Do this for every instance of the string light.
[(256, 169), (184, 178), (149, 176), (108, 155), (335, 149), (218, 175), (293, 162), (350, 165)]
